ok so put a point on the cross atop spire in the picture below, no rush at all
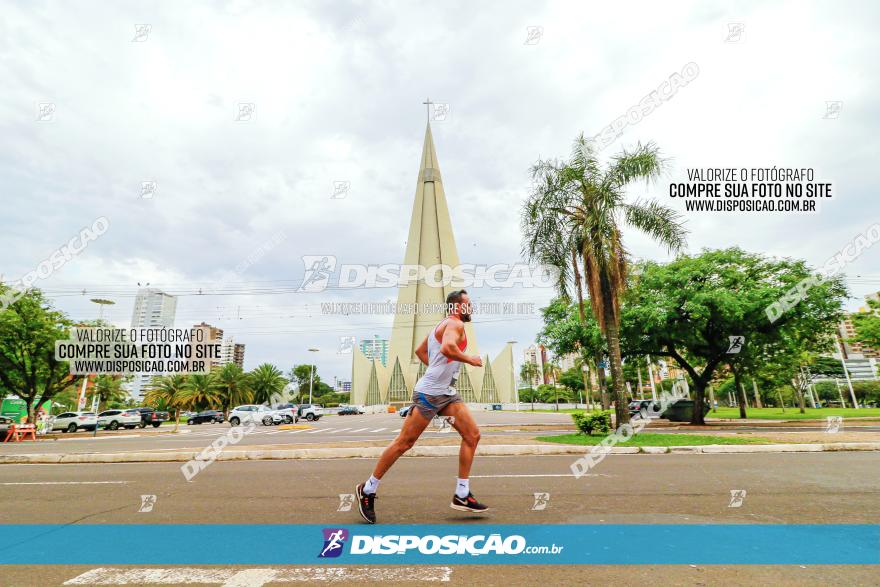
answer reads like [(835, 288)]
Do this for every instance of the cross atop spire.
[(427, 104)]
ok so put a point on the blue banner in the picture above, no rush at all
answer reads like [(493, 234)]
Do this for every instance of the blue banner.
[(551, 544)]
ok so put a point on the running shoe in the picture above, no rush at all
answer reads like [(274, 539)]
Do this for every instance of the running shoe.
[(468, 504), (366, 503)]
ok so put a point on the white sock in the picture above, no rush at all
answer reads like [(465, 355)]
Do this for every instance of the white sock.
[(371, 485), (462, 488)]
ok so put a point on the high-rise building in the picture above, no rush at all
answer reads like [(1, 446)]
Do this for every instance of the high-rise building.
[(567, 362), (375, 348), (238, 354), (846, 330), (210, 335), (232, 352), (536, 354), (153, 308)]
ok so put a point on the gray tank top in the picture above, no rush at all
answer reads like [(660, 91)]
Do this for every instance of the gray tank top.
[(442, 372)]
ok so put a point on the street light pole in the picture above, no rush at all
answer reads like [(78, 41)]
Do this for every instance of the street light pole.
[(312, 376)]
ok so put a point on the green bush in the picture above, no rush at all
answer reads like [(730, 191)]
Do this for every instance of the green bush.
[(586, 422)]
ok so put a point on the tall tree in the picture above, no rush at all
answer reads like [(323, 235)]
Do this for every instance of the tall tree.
[(689, 310), (167, 392), (587, 204), (301, 375), (201, 391), (234, 386), (527, 373), (265, 382), (29, 328), (867, 325), (566, 332), (110, 391)]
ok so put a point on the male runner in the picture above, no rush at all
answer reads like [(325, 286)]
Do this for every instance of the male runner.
[(443, 352)]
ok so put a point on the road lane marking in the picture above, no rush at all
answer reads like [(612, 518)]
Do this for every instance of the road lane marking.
[(65, 483), (117, 436), (378, 430), (259, 576), (342, 430), (320, 430), (540, 475), (359, 430)]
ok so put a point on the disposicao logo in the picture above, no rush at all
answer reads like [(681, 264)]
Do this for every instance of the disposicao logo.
[(334, 541)]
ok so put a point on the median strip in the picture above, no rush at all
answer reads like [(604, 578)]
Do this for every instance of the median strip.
[(425, 451)]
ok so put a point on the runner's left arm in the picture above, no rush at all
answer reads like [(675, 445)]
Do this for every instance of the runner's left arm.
[(422, 351)]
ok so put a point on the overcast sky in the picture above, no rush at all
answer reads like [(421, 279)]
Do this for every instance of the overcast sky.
[(338, 88)]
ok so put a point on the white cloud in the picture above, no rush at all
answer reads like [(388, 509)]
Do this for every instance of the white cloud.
[(337, 91)]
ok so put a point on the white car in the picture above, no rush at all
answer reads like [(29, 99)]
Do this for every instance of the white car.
[(113, 419), (73, 421), (288, 412), (254, 413)]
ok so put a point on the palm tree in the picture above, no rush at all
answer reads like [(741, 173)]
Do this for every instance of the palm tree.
[(577, 205), (109, 390), (527, 373), (167, 392), (234, 385), (201, 391), (266, 381), (582, 365), (552, 372)]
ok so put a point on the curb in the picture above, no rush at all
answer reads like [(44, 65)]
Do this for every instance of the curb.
[(427, 451)]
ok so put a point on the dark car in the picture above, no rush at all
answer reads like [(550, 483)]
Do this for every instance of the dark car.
[(150, 416), (650, 406), (208, 416), (349, 411)]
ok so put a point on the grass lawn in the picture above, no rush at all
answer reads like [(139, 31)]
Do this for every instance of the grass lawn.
[(794, 413), (648, 439)]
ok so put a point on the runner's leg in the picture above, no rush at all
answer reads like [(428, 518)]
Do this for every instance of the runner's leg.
[(467, 427), (463, 499), (413, 426)]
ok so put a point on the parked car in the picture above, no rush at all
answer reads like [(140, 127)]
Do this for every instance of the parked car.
[(4, 424), (254, 413), (311, 412), (288, 412), (404, 411), (113, 419), (208, 416), (150, 416), (349, 411), (650, 406), (73, 421)]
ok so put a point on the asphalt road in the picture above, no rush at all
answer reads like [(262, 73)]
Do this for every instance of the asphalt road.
[(780, 488)]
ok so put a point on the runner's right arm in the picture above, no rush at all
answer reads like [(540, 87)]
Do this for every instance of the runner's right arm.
[(452, 336)]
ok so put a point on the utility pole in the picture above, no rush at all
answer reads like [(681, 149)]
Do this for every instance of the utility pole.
[(312, 376)]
